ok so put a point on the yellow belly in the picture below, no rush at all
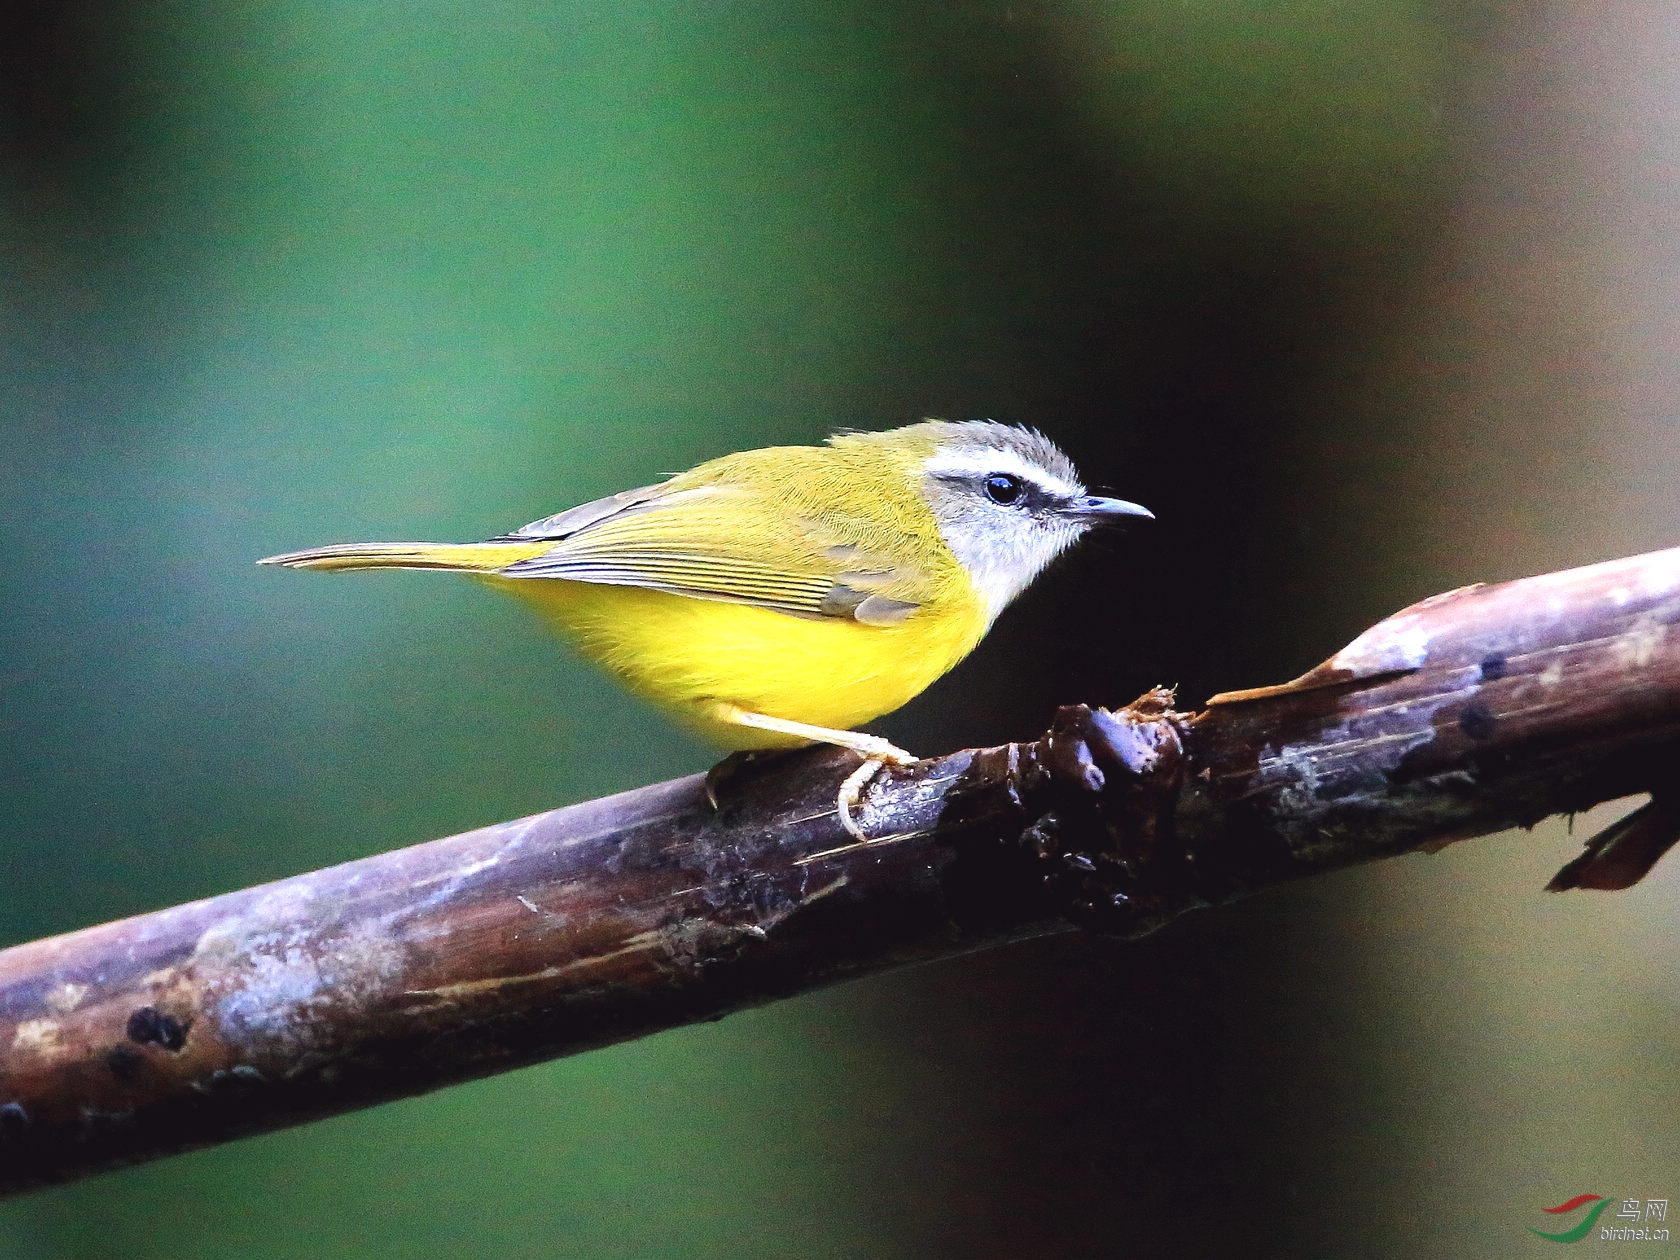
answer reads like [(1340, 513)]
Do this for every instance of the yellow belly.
[(686, 654)]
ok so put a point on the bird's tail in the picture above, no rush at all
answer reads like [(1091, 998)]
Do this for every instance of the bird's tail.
[(484, 557)]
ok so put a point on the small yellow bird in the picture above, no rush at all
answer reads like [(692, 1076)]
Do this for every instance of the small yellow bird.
[(780, 597)]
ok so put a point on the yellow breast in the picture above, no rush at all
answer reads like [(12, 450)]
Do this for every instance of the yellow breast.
[(683, 654)]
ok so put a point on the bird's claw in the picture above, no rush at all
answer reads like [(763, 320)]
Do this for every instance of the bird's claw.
[(879, 755), (720, 776)]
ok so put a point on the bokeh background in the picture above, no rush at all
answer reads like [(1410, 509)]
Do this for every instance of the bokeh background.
[(1366, 298)]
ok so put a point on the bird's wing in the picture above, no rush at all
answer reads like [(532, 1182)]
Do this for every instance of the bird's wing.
[(728, 543)]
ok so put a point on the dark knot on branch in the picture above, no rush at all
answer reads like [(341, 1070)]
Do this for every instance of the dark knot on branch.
[(1104, 785)]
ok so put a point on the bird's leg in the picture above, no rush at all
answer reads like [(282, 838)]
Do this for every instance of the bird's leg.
[(875, 751), (864, 745)]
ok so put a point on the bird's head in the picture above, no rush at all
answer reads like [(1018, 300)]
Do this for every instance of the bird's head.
[(1007, 500)]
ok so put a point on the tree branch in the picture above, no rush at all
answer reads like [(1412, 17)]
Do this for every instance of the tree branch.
[(1475, 711)]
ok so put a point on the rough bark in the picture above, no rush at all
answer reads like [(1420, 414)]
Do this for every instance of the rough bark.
[(1472, 712)]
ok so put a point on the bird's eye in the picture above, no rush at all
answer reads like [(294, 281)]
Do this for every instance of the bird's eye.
[(1004, 488)]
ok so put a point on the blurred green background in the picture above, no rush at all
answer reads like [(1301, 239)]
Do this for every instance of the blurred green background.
[(1365, 299)]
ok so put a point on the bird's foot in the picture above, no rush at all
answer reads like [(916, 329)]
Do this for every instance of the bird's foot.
[(877, 754)]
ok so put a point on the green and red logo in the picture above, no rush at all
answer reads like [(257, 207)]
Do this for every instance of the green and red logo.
[(1581, 1230)]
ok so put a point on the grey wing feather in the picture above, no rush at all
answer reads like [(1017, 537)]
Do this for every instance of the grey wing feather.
[(564, 524), (843, 600)]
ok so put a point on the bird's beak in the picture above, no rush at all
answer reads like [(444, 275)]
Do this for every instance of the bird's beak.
[(1097, 510)]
